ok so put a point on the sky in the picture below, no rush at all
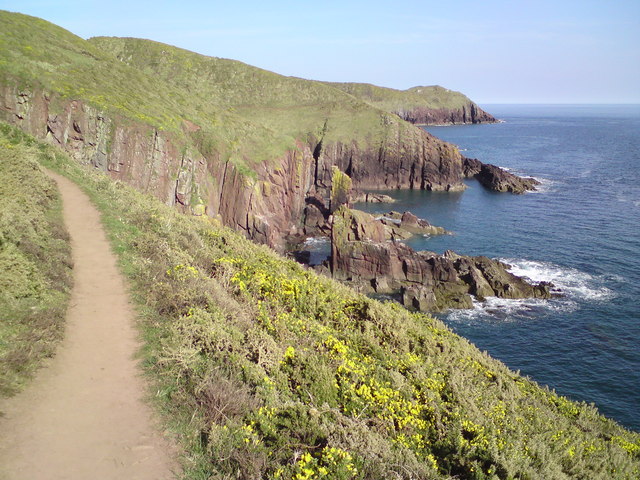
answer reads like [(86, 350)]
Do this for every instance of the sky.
[(494, 51)]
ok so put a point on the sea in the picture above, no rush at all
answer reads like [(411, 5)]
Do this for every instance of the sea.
[(580, 230)]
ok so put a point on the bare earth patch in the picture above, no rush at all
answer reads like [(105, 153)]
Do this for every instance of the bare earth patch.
[(83, 416)]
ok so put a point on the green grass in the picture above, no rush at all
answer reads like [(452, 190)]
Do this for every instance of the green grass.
[(35, 261), (266, 370), (293, 107), (37, 55), (243, 113), (432, 97)]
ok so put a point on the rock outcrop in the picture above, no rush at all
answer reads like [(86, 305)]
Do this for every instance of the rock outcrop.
[(362, 255), (469, 113), (404, 225), (394, 225), (423, 105), (409, 157), (496, 178)]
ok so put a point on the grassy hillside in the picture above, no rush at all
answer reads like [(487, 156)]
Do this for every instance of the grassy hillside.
[(432, 97), (267, 370), (35, 54), (35, 261), (291, 106), (252, 114)]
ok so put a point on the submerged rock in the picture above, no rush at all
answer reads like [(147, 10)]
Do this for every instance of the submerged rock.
[(371, 198)]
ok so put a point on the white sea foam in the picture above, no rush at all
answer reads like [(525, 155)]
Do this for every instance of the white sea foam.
[(316, 243), (546, 185), (574, 285), (319, 249), (397, 221), (506, 310)]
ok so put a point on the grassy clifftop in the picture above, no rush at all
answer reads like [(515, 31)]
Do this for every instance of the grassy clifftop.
[(390, 99), (431, 98), (35, 54), (251, 113), (267, 370), (291, 106)]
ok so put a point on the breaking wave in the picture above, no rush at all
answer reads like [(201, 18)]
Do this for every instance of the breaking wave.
[(575, 286)]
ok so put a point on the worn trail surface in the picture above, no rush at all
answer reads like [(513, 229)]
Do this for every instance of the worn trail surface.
[(83, 416)]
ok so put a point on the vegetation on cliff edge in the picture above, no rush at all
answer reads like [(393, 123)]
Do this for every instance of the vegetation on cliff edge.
[(293, 107), (269, 371), (35, 261), (432, 97), (218, 106)]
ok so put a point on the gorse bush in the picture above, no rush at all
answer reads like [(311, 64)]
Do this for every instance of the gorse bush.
[(35, 264), (267, 370)]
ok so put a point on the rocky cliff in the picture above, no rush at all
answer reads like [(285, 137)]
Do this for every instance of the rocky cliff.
[(432, 105), (405, 158), (263, 205), (266, 204), (469, 113), (361, 254)]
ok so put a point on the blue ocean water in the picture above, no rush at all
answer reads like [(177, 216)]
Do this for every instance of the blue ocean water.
[(580, 231)]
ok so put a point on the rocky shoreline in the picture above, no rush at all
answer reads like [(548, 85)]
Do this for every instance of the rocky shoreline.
[(363, 255), (367, 251)]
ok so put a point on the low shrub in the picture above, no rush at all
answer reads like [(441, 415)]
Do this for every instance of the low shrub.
[(35, 261)]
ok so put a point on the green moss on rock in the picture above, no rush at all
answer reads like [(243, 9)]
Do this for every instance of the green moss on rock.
[(340, 189)]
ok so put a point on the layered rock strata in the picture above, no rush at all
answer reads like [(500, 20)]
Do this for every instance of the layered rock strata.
[(267, 205), (469, 113)]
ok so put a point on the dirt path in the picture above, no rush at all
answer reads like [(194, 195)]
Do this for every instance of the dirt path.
[(83, 416)]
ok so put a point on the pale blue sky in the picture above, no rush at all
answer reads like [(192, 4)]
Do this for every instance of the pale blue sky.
[(495, 51)]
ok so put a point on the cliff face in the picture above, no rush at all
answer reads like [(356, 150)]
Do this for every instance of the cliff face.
[(266, 204), (431, 105), (416, 160), (263, 206), (469, 113)]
